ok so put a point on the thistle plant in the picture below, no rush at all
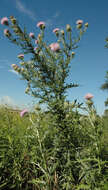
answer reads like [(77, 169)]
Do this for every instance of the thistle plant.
[(61, 149), (48, 68)]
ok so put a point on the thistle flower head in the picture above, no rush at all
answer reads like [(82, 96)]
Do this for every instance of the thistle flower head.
[(36, 41), (23, 112), (35, 48), (54, 47), (41, 24), (7, 33), (21, 56), (55, 30), (79, 22), (5, 21), (31, 35), (88, 96)]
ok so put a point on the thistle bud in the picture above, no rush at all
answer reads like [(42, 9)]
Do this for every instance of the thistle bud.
[(68, 28), (18, 69), (86, 24), (22, 63), (106, 39), (62, 32), (39, 37), (89, 103), (73, 54), (79, 26), (15, 67), (22, 69), (72, 104), (27, 90), (37, 107), (56, 31), (16, 30), (13, 19)]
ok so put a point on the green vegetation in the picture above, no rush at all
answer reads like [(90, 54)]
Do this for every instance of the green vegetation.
[(33, 155), (57, 149)]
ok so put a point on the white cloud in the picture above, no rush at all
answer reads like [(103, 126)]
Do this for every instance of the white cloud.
[(12, 71), (51, 21), (6, 100), (3, 62), (21, 7), (1, 67), (56, 15)]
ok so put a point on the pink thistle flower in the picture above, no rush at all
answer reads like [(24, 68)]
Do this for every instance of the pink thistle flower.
[(35, 48), (36, 41), (21, 56), (23, 112), (31, 35), (56, 30), (41, 24), (88, 96), (7, 32), (4, 21), (54, 46), (79, 22)]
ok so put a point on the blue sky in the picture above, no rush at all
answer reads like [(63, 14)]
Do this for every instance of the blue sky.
[(89, 66)]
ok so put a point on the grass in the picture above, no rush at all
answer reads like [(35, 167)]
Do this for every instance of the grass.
[(33, 155)]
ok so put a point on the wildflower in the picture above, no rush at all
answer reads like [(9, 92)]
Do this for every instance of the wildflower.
[(55, 30), (79, 22), (36, 41), (4, 21), (7, 33), (54, 46), (41, 25), (23, 112), (31, 35), (35, 48), (88, 96), (21, 56)]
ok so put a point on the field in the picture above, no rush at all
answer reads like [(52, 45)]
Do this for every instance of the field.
[(60, 148), (34, 155)]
